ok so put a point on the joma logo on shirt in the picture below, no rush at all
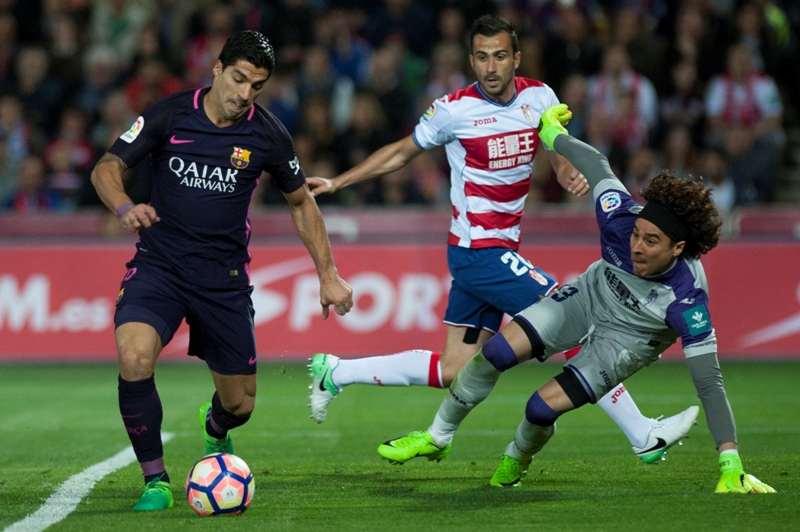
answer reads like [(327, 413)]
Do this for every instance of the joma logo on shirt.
[(483, 121), (204, 176)]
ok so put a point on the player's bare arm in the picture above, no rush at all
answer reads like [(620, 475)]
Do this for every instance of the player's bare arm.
[(333, 290), (107, 180), (386, 160), (567, 175)]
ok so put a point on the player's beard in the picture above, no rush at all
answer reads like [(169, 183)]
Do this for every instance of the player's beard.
[(235, 110), (497, 90)]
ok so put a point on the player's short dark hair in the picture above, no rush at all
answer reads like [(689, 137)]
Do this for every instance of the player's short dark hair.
[(691, 202), (250, 46), (489, 26)]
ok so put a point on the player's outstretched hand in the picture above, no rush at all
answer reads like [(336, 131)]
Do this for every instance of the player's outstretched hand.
[(735, 480), (552, 123), (320, 185), (574, 182), (140, 216), (335, 292)]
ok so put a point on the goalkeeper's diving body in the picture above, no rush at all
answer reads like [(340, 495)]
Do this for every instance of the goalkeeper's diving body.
[(626, 309)]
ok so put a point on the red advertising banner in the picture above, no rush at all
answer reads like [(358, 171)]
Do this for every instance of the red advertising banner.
[(57, 302)]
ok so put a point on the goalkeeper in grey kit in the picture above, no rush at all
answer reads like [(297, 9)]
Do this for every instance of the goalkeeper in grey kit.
[(626, 309)]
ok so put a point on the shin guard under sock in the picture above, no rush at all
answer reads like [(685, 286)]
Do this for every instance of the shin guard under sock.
[(140, 408), (220, 421)]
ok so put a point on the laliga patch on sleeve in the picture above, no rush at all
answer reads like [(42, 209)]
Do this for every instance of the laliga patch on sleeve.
[(130, 135), (427, 115), (610, 201), (697, 320)]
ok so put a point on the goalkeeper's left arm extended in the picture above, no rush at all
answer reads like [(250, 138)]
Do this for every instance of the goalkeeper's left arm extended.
[(734, 479)]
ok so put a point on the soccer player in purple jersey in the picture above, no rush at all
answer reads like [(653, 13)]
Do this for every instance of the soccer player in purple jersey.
[(488, 130), (209, 147)]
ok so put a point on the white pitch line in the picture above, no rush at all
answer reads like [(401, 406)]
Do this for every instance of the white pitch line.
[(69, 494)]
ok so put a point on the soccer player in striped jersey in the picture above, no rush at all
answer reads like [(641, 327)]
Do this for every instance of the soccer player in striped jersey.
[(648, 289), (489, 133)]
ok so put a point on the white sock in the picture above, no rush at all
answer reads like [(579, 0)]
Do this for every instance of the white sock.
[(472, 385), (619, 405), (400, 369), (529, 440)]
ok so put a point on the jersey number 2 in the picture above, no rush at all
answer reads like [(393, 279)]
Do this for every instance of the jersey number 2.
[(519, 265)]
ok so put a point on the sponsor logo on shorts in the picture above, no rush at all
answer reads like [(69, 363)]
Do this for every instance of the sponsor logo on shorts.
[(130, 135), (606, 378), (119, 296), (610, 201), (697, 320)]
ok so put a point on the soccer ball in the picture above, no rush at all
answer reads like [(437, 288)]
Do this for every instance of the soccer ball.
[(220, 484)]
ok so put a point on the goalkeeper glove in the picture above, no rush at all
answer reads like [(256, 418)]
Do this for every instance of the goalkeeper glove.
[(735, 480), (553, 121)]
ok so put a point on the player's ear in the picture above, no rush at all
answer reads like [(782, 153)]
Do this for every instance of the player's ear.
[(218, 68)]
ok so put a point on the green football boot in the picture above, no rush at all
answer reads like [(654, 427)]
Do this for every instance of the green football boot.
[(323, 391), (157, 495), (213, 445), (417, 443), (510, 472)]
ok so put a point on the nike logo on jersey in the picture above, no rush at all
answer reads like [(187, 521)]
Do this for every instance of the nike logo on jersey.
[(252, 361), (173, 140), (686, 301)]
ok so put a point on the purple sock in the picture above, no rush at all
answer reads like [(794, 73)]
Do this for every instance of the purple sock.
[(141, 412), (220, 421)]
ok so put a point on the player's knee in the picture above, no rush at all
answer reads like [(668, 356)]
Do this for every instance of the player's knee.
[(134, 364), (240, 407), (539, 413), (499, 353)]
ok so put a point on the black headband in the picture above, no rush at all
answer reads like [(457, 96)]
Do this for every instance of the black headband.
[(665, 219)]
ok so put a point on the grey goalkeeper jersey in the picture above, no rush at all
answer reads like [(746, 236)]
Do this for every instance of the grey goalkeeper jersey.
[(665, 307), (660, 308)]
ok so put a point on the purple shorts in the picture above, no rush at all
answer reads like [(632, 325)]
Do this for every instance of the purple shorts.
[(221, 328)]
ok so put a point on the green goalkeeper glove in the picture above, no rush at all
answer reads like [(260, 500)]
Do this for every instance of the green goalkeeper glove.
[(735, 480), (553, 121)]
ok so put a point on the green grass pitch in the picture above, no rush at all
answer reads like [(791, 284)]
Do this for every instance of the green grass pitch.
[(57, 420)]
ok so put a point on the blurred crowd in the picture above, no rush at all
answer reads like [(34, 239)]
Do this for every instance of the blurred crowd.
[(702, 87)]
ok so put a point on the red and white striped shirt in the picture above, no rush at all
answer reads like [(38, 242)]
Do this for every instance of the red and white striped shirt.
[(490, 148)]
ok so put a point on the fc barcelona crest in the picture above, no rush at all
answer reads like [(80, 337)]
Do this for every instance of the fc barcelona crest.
[(240, 158)]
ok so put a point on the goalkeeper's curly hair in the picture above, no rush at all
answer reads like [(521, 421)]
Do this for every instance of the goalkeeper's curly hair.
[(691, 201)]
